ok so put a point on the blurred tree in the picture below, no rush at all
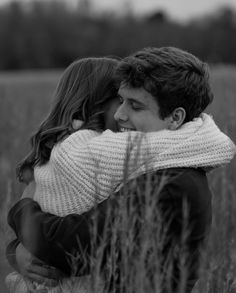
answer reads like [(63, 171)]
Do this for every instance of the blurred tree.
[(48, 34), (11, 38), (128, 9), (226, 18), (84, 8), (159, 16), (222, 31)]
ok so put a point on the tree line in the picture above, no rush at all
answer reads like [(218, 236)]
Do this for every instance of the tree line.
[(50, 35)]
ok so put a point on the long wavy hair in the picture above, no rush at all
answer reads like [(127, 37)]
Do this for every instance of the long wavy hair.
[(82, 92)]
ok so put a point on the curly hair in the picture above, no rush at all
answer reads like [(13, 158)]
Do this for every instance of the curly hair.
[(82, 92), (174, 77)]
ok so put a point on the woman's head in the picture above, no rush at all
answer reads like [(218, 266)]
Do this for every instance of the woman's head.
[(85, 89)]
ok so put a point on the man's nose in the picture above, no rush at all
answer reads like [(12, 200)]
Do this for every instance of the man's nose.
[(121, 114)]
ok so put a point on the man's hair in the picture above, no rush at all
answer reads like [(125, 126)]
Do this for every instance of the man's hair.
[(174, 77)]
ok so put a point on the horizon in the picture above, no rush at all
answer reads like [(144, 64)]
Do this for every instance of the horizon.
[(182, 10)]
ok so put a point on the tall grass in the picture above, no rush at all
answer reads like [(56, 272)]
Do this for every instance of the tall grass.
[(25, 100), (137, 255)]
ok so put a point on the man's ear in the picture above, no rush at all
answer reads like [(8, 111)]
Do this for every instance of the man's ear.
[(77, 124), (177, 118)]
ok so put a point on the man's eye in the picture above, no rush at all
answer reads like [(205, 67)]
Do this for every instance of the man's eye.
[(136, 106), (121, 99)]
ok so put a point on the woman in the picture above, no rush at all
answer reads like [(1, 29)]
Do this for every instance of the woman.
[(87, 91)]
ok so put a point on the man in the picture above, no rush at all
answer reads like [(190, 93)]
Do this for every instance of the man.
[(159, 88)]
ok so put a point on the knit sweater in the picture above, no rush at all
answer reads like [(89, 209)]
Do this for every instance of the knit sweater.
[(88, 166)]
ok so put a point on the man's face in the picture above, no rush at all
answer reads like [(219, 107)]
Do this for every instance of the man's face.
[(138, 111), (110, 109)]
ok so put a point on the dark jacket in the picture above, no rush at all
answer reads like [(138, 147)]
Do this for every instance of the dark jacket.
[(185, 195)]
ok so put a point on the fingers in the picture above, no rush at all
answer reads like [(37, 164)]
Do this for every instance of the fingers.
[(35, 269), (36, 261), (42, 280), (45, 271), (32, 288)]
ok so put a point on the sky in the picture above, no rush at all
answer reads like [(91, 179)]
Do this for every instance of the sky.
[(178, 9)]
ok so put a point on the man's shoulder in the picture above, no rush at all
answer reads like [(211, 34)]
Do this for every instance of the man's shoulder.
[(185, 176), (187, 183), (190, 182), (180, 172), (174, 183)]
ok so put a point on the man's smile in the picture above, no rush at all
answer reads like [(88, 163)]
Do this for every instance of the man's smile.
[(124, 129)]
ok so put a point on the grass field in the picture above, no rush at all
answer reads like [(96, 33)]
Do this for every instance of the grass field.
[(25, 100)]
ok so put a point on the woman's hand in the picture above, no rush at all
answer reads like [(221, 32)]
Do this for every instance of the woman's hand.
[(36, 270), (29, 190)]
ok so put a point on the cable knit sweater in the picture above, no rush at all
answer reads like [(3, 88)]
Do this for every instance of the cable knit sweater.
[(88, 166)]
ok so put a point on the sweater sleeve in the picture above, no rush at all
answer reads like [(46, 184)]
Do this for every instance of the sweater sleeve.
[(101, 164)]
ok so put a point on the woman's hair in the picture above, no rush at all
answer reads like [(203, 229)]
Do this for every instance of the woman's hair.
[(82, 92)]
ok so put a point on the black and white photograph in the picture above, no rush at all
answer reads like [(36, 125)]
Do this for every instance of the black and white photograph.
[(118, 146)]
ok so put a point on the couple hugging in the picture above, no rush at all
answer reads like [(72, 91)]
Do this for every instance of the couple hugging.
[(113, 123)]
